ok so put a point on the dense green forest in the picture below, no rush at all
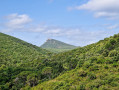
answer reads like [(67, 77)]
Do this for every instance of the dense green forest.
[(23, 64), (93, 67), (57, 46)]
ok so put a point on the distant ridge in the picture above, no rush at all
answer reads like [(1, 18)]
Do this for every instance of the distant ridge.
[(57, 46)]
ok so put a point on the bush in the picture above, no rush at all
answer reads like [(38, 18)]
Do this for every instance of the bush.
[(82, 73), (112, 41), (47, 71), (80, 63), (96, 84), (113, 53), (93, 59), (93, 68), (100, 60), (87, 64), (115, 64), (114, 84), (109, 46), (118, 39), (116, 58), (32, 79), (106, 67), (82, 87), (109, 61), (91, 76), (105, 53)]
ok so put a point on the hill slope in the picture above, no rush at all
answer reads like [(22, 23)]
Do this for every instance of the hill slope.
[(22, 63), (57, 46), (93, 67), (15, 49)]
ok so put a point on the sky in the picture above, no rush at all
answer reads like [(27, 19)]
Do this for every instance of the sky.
[(76, 22)]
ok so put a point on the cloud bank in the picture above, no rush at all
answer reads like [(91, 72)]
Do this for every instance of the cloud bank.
[(15, 21), (102, 8), (75, 36)]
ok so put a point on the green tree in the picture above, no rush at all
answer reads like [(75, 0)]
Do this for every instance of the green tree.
[(32, 79), (47, 71)]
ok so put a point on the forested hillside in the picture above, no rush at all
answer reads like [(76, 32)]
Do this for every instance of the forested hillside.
[(57, 46), (25, 66), (93, 67), (13, 50)]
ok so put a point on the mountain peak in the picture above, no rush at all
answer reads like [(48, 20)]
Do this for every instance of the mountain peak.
[(55, 44), (48, 39)]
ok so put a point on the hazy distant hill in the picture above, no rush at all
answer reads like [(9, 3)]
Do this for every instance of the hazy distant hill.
[(57, 46)]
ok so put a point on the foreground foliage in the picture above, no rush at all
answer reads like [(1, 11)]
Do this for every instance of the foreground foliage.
[(22, 64), (92, 67)]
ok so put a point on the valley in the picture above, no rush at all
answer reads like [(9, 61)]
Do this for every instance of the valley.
[(28, 67)]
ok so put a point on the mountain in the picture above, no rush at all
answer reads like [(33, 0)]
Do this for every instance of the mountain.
[(12, 48), (28, 67), (21, 63), (93, 67), (57, 46)]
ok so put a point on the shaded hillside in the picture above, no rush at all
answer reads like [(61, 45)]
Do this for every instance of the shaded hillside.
[(57, 46), (23, 64), (93, 67)]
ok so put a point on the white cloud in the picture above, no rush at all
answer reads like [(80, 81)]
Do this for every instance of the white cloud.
[(53, 31), (102, 8), (115, 26), (36, 28), (83, 37), (77, 36), (15, 21)]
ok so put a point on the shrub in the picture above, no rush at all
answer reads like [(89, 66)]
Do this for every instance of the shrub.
[(116, 58), (113, 53), (93, 68), (47, 71), (109, 46), (96, 84), (91, 76), (80, 63), (112, 41), (100, 60), (32, 79), (109, 61), (114, 84), (115, 64), (82, 87), (118, 39), (82, 73), (87, 64), (105, 53), (106, 67), (93, 59)]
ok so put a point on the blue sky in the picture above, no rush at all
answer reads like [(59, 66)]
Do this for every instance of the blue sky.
[(77, 22)]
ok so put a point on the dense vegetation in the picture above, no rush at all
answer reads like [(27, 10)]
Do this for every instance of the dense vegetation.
[(92, 67), (57, 46), (23, 64)]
